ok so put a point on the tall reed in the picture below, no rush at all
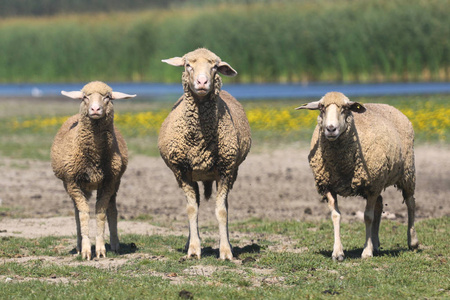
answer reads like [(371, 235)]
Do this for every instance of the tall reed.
[(395, 40)]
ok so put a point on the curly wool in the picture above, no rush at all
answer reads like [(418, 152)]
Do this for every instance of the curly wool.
[(96, 87), (375, 151), (205, 137), (87, 150)]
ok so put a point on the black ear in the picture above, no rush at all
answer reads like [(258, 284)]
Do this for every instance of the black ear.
[(356, 107)]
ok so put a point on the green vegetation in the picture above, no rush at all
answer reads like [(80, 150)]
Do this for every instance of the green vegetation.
[(267, 269), (290, 41), (30, 132), (51, 7)]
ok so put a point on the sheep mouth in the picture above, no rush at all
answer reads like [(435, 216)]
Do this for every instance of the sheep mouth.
[(201, 92), (95, 116), (331, 137)]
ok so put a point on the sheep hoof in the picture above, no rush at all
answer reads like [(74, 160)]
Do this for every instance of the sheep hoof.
[(190, 256), (226, 254), (115, 247), (413, 242), (339, 257), (101, 252), (86, 254), (366, 254), (414, 246), (194, 251)]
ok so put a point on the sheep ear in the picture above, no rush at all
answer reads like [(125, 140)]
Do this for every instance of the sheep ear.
[(119, 95), (74, 94), (174, 61), (356, 107), (225, 69), (311, 105)]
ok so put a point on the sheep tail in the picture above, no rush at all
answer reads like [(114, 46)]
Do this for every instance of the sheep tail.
[(207, 185)]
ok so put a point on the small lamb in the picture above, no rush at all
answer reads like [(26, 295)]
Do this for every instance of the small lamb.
[(360, 150), (89, 153), (205, 138)]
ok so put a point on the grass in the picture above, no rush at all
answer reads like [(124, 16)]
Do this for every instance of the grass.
[(262, 270), (276, 259), (28, 127)]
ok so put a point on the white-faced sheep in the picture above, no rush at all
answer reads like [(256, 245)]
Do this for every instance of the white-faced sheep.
[(359, 150), (205, 138), (89, 153)]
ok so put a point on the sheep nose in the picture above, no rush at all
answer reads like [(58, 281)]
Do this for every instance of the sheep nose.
[(202, 80), (95, 109), (331, 128)]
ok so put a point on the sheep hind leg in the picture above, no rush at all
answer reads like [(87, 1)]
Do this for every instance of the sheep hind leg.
[(111, 214), (225, 249), (369, 218), (338, 252), (376, 223), (77, 220), (193, 202), (413, 242)]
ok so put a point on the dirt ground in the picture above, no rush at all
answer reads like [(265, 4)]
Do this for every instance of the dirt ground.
[(276, 185)]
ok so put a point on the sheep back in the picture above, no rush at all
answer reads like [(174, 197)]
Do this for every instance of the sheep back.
[(375, 152)]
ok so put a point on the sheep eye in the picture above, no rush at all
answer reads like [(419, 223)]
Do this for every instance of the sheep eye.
[(107, 98), (321, 108), (188, 66)]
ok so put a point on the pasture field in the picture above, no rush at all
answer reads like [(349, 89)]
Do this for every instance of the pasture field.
[(281, 233), (276, 260)]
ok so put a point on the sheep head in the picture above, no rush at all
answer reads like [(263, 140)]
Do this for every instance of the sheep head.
[(335, 113), (97, 99), (201, 67)]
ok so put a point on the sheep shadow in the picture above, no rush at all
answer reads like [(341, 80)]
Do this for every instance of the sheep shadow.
[(356, 253), (124, 249), (237, 251)]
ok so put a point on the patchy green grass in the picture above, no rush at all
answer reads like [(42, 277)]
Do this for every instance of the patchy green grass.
[(287, 260)]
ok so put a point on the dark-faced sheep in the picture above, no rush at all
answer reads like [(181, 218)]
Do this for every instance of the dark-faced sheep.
[(205, 138), (359, 150), (89, 153)]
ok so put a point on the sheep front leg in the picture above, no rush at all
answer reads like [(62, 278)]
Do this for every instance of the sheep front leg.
[(338, 252), (101, 206), (193, 201), (369, 220), (82, 219)]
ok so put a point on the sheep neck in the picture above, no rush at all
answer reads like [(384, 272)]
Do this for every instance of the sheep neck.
[(202, 114), (95, 136), (343, 157)]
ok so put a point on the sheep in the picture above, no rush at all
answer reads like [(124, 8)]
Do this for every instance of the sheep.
[(359, 150), (89, 153), (205, 138)]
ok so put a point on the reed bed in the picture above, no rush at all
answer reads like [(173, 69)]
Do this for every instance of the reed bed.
[(272, 41)]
